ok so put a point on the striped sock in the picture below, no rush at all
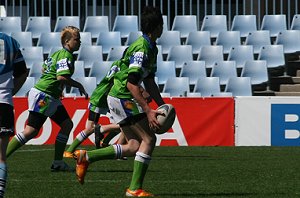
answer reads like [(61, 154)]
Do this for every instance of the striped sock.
[(3, 178), (141, 163), (16, 142), (110, 152), (78, 140)]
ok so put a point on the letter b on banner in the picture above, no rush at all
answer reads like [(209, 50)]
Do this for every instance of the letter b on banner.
[(285, 125)]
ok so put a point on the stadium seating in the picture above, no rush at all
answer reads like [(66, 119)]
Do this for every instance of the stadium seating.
[(177, 86), (180, 54), (257, 71), (228, 39), (78, 69), (168, 39), (133, 36), (210, 54), (239, 86), (90, 54), (89, 84), (32, 54), (85, 38), (63, 21), (36, 70), (165, 69), (95, 25), (197, 40), (100, 69), (214, 24), (240, 54), (224, 70), (125, 24), (116, 53), (244, 24), (193, 70), (37, 25), (290, 39), (274, 23), (10, 24), (166, 23), (47, 40), (24, 38), (108, 40), (273, 54), (295, 25), (207, 86), (258, 39), (185, 24)]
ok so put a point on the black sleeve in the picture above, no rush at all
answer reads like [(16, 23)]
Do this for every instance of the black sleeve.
[(19, 68), (134, 78)]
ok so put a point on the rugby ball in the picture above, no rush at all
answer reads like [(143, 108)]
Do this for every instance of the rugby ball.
[(165, 121)]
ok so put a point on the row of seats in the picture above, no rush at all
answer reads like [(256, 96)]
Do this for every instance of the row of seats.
[(129, 23), (273, 54), (174, 87)]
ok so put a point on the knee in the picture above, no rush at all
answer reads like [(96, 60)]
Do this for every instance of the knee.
[(150, 140), (132, 147)]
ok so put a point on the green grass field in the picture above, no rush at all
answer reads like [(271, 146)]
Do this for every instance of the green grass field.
[(173, 172)]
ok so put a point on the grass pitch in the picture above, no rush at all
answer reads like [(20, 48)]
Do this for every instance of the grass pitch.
[(173, 172)]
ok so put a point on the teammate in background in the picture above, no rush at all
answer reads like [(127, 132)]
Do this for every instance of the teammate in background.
[(126, 105), (97, 106), (13, 73), (44, 98)]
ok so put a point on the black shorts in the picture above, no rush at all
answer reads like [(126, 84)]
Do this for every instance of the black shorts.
[(7, 120), (36, 120), (94, 116)]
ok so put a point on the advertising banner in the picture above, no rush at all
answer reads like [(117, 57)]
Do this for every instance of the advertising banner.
[(267, 121), (199, 122)]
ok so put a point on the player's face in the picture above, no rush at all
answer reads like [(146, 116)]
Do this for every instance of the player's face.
[(74, 42)]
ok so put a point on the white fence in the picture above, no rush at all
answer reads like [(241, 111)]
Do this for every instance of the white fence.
[(111, 8)]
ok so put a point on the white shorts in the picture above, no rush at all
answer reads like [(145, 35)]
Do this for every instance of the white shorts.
[(122, 108), (41, 102)]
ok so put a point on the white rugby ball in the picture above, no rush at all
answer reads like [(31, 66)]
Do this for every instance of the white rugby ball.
[(165, 121)]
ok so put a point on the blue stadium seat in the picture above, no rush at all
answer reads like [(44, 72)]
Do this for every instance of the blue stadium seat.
[(85, 38), (100, 69), (244, 24), (165, 69), (207, 86), (239, 86), (36, 70), (133, 36), (228, 39), (32, 54), (10, 24), (24, 38), (37, 25), (47, 40), (210, 54), (290, 39), (258, 39), (180, 54), (185, 24), (116, 53), (295, 25), (224, 70), (240, 54), (274, 23), (197, 40), (95, 25), (23, 91), (63, 21), (257, 70), (108, 40), (193, 70), (214, 24), (177, 86), (273, 54), (125, 24), (78, 69), (168, 39), (90, 54), (89, 84)]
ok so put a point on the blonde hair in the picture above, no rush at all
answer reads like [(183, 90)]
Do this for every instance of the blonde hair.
[(67, 33)]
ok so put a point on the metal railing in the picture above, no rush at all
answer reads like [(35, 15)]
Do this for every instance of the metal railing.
[(171, 8)]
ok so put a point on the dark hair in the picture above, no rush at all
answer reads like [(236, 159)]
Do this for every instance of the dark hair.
[(151, 18)]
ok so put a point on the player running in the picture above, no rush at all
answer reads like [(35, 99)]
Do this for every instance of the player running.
[(13, 73), (126, 103), (44, 98)]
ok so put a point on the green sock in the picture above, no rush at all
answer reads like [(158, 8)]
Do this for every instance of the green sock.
[(74, 145), (101, 154), (138, 175), (78, 140), (109, 137), (60, 145), (13, 145)]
